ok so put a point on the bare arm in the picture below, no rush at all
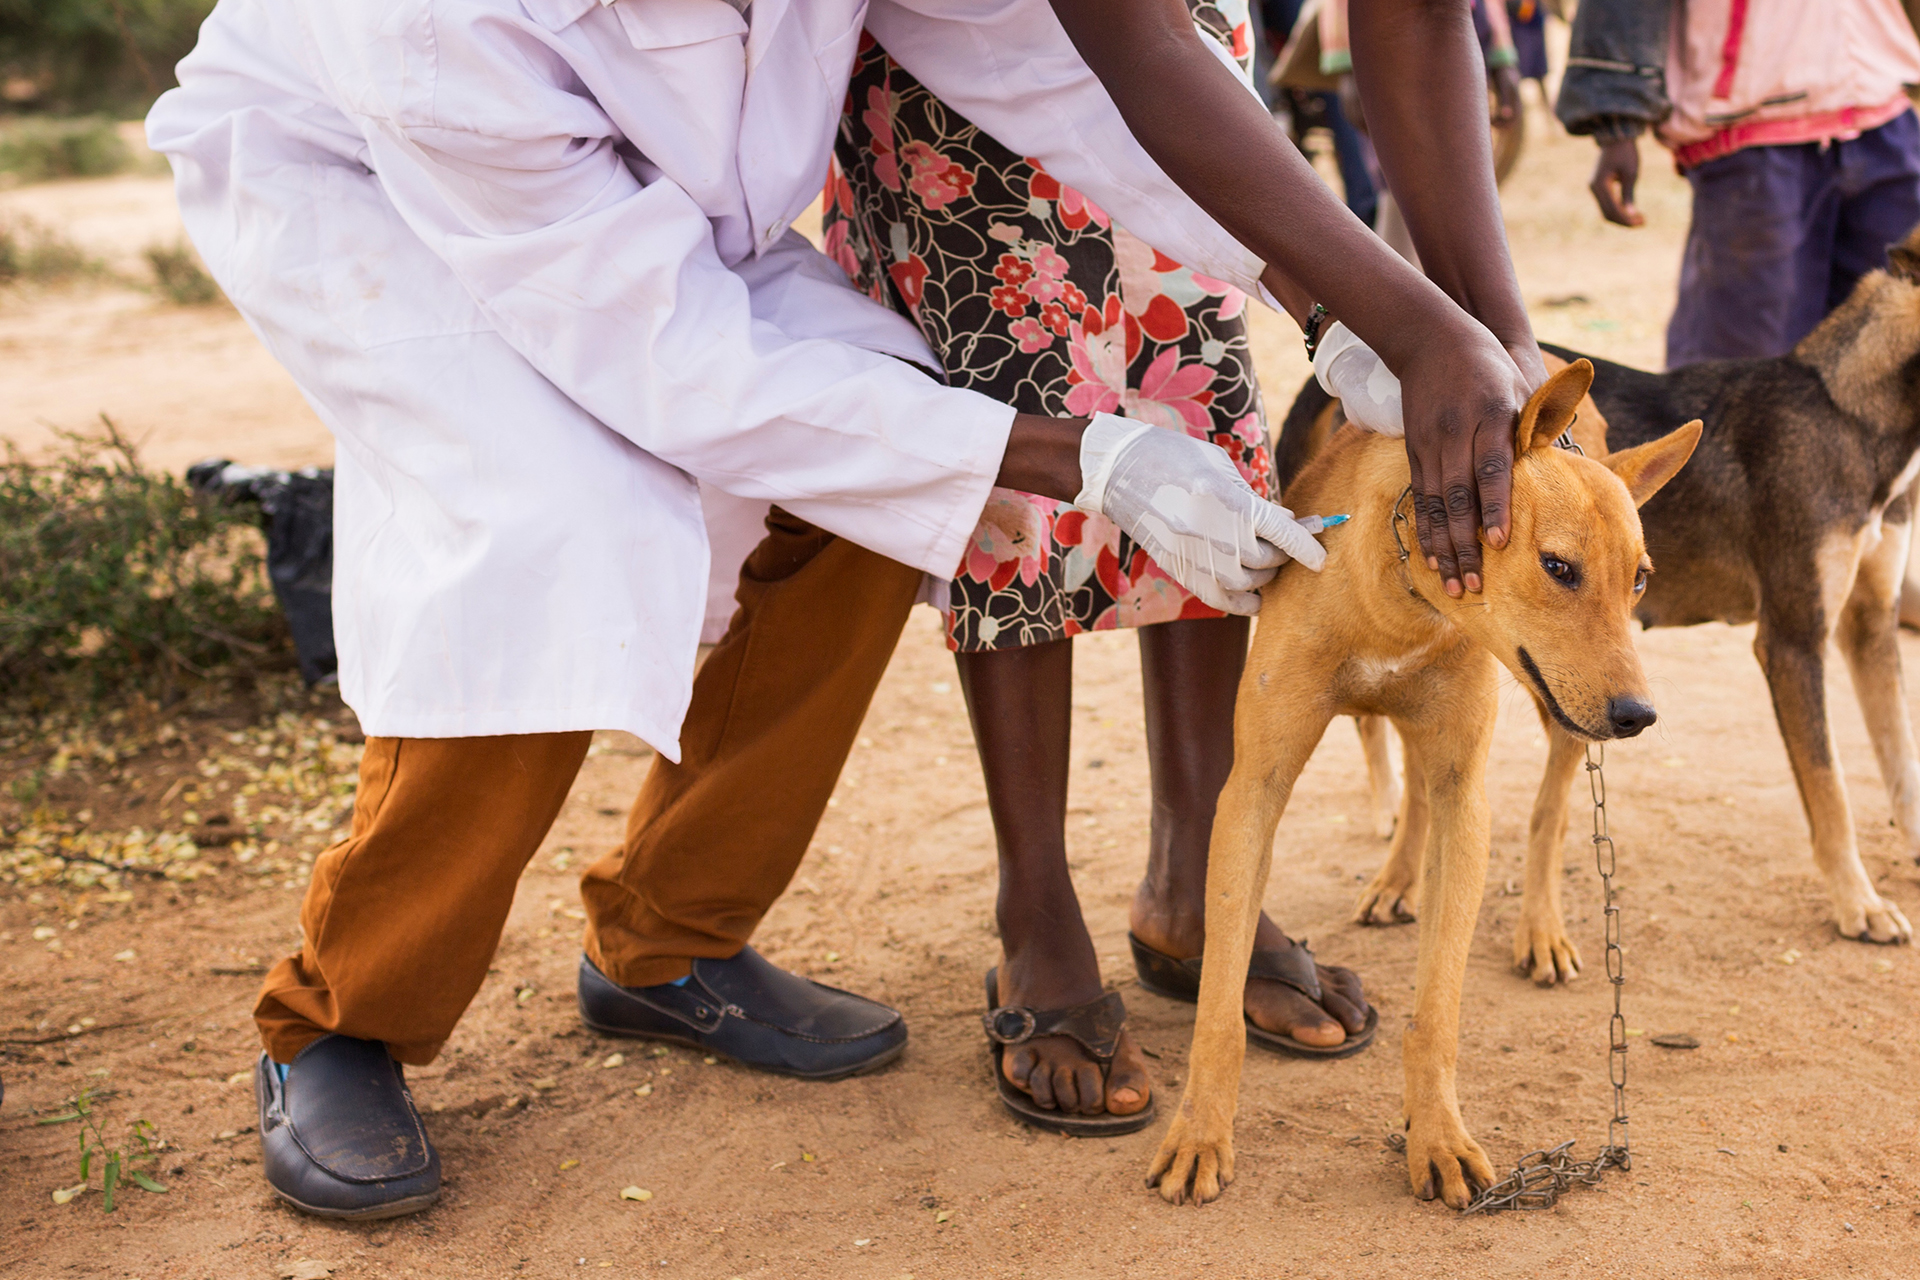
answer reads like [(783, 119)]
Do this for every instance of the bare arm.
[(1214, 139), (1417, 66)]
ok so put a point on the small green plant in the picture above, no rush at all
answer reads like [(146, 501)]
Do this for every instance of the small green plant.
[(38, 254), (118, 1163), (181, 278), (38, 150), (117, 578)]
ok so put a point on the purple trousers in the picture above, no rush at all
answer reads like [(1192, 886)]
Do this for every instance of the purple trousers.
[(1780, 235)]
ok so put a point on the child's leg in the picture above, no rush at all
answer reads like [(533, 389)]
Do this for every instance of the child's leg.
[(1021, 703), (1190, 671)]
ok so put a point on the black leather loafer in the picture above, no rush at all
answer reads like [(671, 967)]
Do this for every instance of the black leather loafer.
[(340, 1135), (758, 1015)]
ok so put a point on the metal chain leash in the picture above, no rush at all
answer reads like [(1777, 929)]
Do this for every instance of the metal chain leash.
[(1543, 1176)]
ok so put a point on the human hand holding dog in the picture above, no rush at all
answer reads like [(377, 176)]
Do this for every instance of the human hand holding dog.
[(1461, 393)]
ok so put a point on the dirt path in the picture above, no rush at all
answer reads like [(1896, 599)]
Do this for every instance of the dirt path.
[(1785, 1146)]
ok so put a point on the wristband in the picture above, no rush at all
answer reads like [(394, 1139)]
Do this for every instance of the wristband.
[(1502, 56)]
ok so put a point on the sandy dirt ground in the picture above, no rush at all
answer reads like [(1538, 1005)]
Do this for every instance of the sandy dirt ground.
[(1784, 1146)]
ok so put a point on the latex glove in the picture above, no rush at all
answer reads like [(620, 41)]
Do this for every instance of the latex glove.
[(1185, 502), (1367, 390)]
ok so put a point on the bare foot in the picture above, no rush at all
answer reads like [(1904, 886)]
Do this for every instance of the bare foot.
[(1273, 1006), (1057, 1071)]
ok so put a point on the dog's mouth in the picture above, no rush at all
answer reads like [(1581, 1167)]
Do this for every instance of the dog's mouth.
[(1554, 708)]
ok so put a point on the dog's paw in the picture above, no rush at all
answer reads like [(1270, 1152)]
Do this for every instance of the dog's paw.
[(1195, 1161), (1443, 1161), (1389, 898), (1865, 916), (1543, 951)]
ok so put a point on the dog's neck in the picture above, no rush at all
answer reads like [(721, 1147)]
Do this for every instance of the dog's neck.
[(1867, 354)]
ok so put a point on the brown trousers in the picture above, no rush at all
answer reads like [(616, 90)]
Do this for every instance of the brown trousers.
[(402, 917)]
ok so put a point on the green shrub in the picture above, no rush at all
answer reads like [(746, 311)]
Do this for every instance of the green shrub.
[(38, 150), (114, 577), (38, 254), (96, 55), (178, 273)]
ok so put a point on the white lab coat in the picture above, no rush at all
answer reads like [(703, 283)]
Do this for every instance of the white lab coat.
[(531, 262)]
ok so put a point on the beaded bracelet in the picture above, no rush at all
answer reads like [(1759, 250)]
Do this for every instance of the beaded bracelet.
[(1311, 329)]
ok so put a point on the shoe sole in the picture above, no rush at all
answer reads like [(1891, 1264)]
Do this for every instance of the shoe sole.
[(838, 1073), (392, 1209)]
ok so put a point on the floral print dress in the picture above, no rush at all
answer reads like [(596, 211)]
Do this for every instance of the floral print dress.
[(1028, 292)]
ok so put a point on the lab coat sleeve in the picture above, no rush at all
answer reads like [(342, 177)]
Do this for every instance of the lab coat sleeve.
[(1008, 66), (614, 291)]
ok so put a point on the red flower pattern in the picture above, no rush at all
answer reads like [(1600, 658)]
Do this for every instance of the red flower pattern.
[(1028, 293)]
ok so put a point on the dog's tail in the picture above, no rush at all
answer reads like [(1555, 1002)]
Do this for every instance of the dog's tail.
[(1302, 434)]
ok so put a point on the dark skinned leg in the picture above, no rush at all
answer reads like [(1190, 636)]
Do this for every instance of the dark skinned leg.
[(1190, 671), (1020, 701)]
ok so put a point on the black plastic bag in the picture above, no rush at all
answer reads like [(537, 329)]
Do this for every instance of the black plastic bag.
[(296, 511)]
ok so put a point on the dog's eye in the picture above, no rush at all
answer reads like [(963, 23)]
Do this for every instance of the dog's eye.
[(1560, 570), (1639, 581)]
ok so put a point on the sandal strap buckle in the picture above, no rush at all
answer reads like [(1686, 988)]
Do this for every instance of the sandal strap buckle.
[(1009, 1024), (1095, 1025)]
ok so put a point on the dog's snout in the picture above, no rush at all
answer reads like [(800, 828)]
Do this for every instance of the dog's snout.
[(1629, 716)]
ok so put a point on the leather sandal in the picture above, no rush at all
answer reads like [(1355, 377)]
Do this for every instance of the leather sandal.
[(1176, 979), (1095, 1026)]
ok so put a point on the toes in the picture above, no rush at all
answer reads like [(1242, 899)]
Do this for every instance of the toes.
[(1066, 1088), (1129, 1087), (1284, 1011), (1039, 1083), (1089, 1090), (1206, 1177), (1345, 997)]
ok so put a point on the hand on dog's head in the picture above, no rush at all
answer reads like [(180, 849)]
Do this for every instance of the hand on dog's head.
[(1557, 608)]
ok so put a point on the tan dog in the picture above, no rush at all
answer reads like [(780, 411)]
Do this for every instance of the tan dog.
[(1375, 633)]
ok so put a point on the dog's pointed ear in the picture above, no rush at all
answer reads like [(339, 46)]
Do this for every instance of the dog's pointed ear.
[(1550, 410), (1644, 468)]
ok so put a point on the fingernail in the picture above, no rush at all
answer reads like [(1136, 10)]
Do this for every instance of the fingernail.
[(1433, 562), (1453, 587), (1473, 582), (1497, 538)]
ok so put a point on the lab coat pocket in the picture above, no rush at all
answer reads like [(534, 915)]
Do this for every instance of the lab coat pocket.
[(669, 24), (379, 281)]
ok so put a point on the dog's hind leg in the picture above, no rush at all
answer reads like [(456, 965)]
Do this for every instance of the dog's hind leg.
[(1278, 720), (1452, 738), (1393, 895), (1541, 947), (1868, 635), (1383, 784), (1793, 659)]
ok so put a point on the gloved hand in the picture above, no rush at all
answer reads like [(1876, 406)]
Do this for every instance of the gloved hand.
[(1185, 502), (1368, 392)]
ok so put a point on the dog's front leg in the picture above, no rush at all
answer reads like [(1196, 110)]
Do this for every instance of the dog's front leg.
[(1277, 723), (1793, 657), (1442, 1158), (1393, 895), (1541, 947)]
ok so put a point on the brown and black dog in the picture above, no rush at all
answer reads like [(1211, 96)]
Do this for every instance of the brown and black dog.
[(1794, 513), (1375, 633)]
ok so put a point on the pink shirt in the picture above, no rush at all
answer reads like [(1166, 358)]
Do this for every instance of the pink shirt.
[(1745, 73)]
